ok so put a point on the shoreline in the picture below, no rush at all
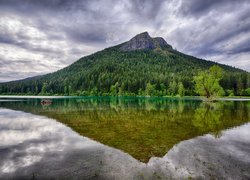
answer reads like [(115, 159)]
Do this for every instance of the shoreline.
[(233, 98)]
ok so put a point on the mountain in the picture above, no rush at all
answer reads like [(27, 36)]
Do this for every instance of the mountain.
[(140, 66)]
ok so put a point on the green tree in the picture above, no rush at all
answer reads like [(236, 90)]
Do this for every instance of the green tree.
[(173, 88), (181, 89), (94, 91), (140, 92), (70, 90), (66, 92), (239, 87), (163, 89), (114, 89), (44, 88), (247, 91), (150, 89), (207, 82), (36, 90)]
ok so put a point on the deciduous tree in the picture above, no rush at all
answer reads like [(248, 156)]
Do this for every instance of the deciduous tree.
[(207, 82)]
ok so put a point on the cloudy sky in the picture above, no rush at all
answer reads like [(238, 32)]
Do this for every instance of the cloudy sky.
[(41, 36)]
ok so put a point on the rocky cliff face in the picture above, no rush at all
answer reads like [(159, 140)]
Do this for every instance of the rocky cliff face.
[(144, 41)]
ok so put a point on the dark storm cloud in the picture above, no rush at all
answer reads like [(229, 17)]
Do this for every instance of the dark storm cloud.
[(22, 42), (242, 48), (216, 28), (6, 39), (223, 34), (200, 7), (71, 20), (146, 9), (23, 5), (89, 34), (20, 63), (58, 32)]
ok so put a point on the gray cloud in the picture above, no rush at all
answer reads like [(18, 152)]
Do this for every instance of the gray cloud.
[(198, 8), (89, 34), (146, 9), (58, 32)]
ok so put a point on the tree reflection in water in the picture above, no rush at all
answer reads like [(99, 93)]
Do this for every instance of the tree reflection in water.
[(142, 127)]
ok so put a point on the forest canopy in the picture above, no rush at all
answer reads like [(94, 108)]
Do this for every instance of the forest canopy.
[(158, 72)]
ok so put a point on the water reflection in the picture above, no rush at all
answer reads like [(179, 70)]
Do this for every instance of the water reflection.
[(209, 117), (142, 127), (36, 147), (208, 157)]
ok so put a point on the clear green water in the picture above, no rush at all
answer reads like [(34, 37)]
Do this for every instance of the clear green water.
[(142, 127)]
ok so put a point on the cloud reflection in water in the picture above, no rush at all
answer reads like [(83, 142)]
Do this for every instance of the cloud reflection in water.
[(36, 146)]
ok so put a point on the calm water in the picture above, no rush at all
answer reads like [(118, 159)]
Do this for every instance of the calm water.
[(126, 130)]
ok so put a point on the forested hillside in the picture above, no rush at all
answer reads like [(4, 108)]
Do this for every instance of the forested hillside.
[(156, 71)]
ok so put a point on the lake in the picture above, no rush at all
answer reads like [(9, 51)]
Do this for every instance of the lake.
[(124, 138)]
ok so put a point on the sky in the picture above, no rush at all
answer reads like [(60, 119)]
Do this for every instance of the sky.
[(42, 36)]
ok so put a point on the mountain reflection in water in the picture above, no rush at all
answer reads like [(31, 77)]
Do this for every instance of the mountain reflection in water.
[(142, 127), (37, 147)]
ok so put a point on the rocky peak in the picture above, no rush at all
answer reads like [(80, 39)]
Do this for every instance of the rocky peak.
[(159, 41), (144, 41)]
